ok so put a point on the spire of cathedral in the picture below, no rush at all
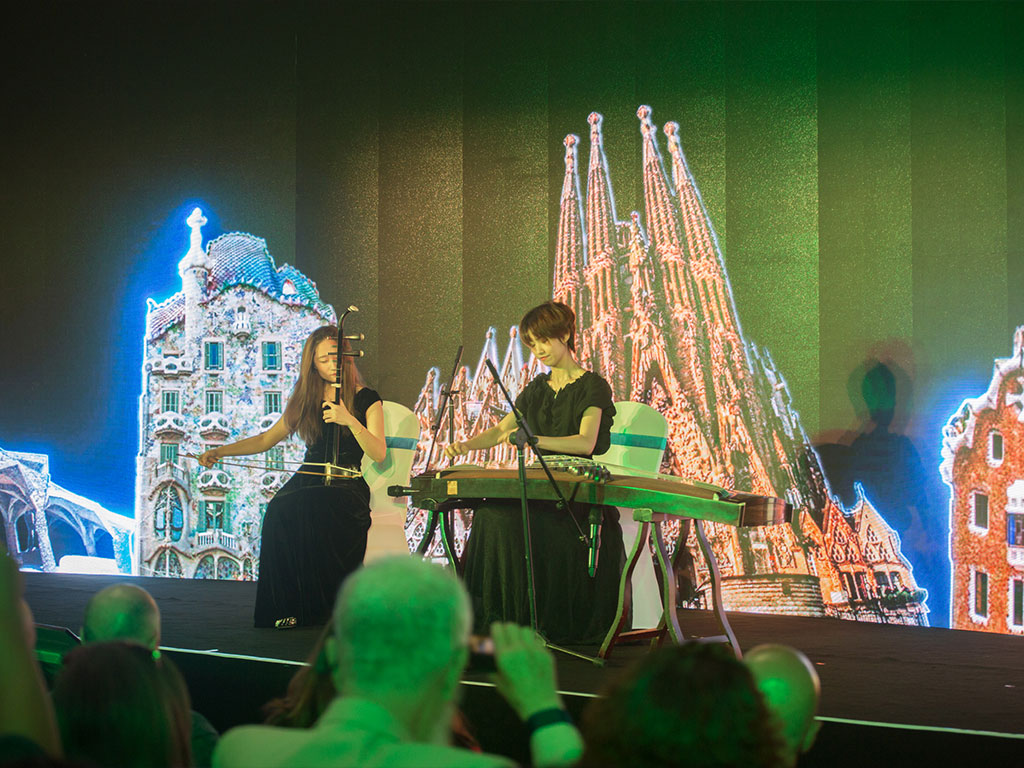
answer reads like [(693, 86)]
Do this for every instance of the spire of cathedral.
[(569, 250), (600, 204), (601, 323), (662, 224)]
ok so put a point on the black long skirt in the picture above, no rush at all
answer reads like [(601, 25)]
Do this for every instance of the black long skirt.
[(313, 537), (572, 608)]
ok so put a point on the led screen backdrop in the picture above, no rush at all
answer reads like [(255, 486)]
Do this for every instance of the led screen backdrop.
[(829, 204)]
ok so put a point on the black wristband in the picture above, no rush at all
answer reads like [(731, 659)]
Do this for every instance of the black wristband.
[(547, 717)]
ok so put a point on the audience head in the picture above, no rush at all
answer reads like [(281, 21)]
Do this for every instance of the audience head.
[(791, 690), (400, 638), (122, 612), (692, 705), (122, 704)]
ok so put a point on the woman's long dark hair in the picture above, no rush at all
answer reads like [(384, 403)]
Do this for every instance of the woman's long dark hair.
[(303, 413), (123, 704)]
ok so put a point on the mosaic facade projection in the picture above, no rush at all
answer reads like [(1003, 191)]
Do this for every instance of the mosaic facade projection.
[(983, 464), (49, 528), (220, 359), (657, 319)]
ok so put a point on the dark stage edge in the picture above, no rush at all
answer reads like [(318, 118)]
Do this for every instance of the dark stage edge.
[(870, 673)]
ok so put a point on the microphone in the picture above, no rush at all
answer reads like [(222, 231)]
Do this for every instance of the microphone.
[(352, 308), (355, 337)]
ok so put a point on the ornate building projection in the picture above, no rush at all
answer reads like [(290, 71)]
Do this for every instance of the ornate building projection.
[(983, 464), (657, 320), (49, 528), (220, 359)]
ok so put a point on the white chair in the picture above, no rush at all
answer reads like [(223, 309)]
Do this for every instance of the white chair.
[(387, 515), (638, 440)]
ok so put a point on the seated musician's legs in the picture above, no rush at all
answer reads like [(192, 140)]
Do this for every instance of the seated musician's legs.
[(494, 566), (311, 540), (571, 607)]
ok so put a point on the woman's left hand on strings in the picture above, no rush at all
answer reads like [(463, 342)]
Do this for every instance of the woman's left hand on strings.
[(337, 413)]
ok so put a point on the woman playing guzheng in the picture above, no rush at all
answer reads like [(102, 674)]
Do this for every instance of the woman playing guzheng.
[(570, 411)]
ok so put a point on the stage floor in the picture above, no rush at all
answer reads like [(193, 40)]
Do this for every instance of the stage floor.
[(877, 673)]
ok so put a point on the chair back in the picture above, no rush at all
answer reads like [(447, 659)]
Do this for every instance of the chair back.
[(638, 439), (387, 515)]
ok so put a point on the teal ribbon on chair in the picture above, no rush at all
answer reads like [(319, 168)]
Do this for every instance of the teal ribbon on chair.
[(406, 443), (638, 441)]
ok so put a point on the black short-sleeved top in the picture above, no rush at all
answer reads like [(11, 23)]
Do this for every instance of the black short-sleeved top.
[(351, 453), (558, 414)]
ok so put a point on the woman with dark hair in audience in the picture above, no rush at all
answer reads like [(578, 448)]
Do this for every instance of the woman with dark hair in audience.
[(693, 706), (124, 705), (570, 410), (314, 534)]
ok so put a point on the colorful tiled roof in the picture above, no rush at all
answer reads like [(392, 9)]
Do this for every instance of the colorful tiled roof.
[(238, 258), (162, 316)]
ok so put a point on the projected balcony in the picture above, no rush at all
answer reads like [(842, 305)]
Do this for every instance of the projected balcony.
[(166, 471), (269, 420), (214, 426), (214, 480), (217, 539), (169, 366), (272, 481), (242, 326), (169, 424)]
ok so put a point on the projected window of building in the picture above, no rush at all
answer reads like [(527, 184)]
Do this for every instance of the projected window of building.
[(1015, 529), (213, 512), (271, 403), (213, 355), (1016, 616), (214, 401), (271, 356), (169, 401), (168, 517), (980, 597), (168, 453), (979, 510), (995, 448)]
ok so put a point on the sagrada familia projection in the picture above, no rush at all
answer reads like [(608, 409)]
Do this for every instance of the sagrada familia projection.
[(982, 450), (657, 320)]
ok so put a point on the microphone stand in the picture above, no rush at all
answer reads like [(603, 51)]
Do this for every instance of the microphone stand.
[(447, 402), (520, 439)]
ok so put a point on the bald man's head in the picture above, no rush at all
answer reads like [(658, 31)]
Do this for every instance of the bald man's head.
[(122, 612), (791, 690)]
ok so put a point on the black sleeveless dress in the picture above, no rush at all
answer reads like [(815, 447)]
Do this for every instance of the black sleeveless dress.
[(314, 535), (572, 608)]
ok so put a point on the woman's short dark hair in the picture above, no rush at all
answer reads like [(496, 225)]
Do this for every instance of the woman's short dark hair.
[(123, 704), (550, 320), (694, 705)]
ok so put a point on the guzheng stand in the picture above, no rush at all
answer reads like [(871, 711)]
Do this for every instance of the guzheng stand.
[(675, 499), (669, 623)]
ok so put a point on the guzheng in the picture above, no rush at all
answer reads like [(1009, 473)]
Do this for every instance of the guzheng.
[(465, 487), (654, 498)]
